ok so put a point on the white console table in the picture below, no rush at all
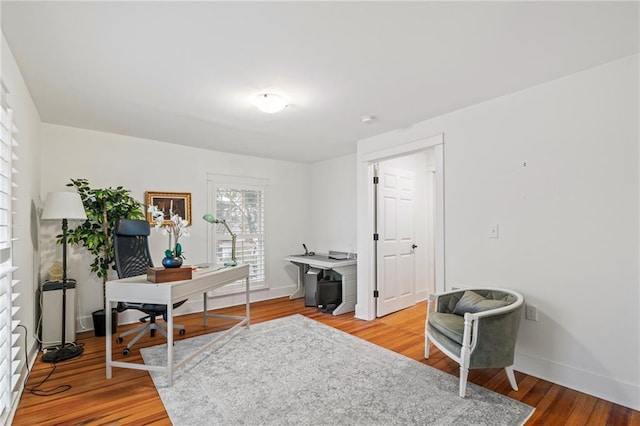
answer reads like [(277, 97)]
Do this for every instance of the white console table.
[(346, 268)]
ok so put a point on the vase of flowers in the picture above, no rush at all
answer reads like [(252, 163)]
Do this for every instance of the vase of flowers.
[(175, 228)]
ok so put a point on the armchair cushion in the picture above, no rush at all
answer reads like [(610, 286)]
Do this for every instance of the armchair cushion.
[(449, 325), (473, 302)]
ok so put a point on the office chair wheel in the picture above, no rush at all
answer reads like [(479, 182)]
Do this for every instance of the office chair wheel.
[(126, 351), (182, 331), (119, 340)]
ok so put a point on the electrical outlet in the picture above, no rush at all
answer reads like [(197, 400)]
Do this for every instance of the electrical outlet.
[(531, 313), (493, 231)]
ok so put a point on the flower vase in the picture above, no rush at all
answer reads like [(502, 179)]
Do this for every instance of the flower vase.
[(172, 262)]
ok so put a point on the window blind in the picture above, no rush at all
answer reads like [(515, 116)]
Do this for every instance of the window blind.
[(241, 203), (11, 351)]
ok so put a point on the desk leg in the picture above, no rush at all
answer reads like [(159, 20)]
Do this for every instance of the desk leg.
[(349, 289), (170, 343), (248, 300), (108, 337), (302, 269), (205, 307)]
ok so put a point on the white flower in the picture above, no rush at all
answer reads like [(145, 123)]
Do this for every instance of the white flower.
[(175, 227), (156, 215)]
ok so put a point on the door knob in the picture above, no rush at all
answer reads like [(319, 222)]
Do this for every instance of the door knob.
[(413, 246)]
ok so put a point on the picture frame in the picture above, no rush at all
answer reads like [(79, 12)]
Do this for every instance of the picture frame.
[(178, 202)]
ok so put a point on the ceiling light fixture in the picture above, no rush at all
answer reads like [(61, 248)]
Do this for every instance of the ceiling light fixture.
[(367, 119), (270, 102)]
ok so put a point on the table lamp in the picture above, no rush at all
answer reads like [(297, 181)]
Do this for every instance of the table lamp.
[(63, 206), (211, 219)]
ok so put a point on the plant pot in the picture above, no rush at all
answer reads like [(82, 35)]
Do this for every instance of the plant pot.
[(100, 325), (172, 262)]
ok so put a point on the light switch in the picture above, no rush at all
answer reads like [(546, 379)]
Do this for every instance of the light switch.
[(493, 231)]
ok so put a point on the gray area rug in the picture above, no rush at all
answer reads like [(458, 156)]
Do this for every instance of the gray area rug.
[(297, 371)]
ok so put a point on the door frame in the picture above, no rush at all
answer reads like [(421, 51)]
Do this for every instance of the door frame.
[(366, 305)]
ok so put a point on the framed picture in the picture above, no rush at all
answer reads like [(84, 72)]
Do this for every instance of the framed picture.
[(176, 202)]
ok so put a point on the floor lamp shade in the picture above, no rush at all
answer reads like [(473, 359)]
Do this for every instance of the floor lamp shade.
[(63, 205)]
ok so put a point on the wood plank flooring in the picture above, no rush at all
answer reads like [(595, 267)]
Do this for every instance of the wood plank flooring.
[(131, 398)]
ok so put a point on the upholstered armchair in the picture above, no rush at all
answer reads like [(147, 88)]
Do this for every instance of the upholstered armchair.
[(476, 327)]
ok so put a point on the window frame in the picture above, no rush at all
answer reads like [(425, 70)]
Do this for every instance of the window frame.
[(215, 181)]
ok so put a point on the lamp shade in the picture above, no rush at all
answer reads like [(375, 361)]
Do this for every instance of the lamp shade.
[(63, 205), (209, 218)]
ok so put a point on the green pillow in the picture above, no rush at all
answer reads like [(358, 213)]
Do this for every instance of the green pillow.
[(472, 302)]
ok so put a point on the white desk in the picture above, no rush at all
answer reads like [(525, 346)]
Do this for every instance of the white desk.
[(346, 268), (139, 290)]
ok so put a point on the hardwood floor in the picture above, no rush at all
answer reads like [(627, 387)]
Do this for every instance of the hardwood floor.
[(131, 398)]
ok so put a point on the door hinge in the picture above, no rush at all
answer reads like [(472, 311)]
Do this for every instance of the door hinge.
[(375, 293), (375, 237), (375, 180)]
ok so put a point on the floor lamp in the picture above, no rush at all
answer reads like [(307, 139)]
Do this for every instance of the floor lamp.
[(63, 206)]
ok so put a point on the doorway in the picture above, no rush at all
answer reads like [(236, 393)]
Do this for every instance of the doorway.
[(404, 255), (366, 306)]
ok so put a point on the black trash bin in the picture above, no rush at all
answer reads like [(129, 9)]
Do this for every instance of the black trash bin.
[(100, 322), (329, 294)]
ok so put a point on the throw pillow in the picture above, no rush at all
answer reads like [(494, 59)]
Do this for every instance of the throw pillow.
[(472, 302)]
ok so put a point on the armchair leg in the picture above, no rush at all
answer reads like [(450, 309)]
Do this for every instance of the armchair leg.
[(426, 346), (464, 373), (511, 377), (426, 325), (465, 354)]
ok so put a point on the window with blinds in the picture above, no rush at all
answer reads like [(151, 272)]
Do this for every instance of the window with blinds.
[(241, 203), (11, 351)]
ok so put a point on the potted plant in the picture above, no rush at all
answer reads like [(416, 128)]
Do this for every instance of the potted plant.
[(103, 207)]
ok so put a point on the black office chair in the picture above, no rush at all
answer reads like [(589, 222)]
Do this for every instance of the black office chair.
[(130, 241)]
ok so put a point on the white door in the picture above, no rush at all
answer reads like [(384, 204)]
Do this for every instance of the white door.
[(395, 245)]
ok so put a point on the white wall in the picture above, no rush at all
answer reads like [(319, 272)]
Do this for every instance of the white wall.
[(568, 219), (332, 202), (27, 194), (144, 165)]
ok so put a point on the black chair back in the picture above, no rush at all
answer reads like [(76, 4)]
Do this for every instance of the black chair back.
[(130, 241)]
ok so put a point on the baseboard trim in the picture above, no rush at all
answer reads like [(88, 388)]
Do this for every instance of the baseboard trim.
[(361, 314), (616, 391)]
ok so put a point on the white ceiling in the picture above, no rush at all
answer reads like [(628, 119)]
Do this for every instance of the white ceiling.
[(185, 72)]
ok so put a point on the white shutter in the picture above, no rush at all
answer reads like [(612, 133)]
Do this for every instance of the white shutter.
[(241, 203), (11, 350)]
